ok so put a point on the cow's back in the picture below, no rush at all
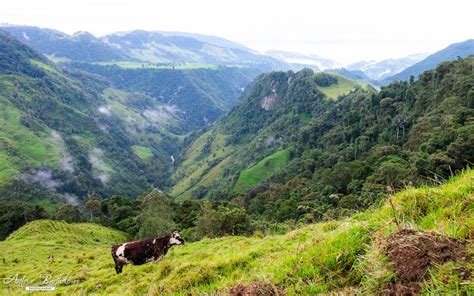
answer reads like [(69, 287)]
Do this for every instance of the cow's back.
[(137, 252)]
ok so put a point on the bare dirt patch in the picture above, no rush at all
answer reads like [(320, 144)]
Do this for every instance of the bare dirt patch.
[(412, 253), (255, 289)]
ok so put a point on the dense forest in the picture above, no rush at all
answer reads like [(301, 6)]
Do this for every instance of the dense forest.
[(325, 158), (200, 96)]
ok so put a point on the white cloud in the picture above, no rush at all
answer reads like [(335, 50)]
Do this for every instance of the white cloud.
[(104, 110), (43, 177)]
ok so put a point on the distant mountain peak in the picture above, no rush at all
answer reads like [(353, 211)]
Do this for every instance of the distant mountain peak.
[(380, 69), (452, 52), (296, 58)]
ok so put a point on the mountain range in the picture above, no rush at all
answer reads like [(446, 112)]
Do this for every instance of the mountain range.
[(171, 49), (67, 134), (141, 46), (378, 70), (297, 61), (119, 128), (452, 52)]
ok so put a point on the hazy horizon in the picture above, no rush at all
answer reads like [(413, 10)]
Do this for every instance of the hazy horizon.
[(344, 31)]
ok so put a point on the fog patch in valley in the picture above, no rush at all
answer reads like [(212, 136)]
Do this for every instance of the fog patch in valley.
[(100, 168), (71, 199), (104, 110), (66, 161), (44, 177), (161, 114)]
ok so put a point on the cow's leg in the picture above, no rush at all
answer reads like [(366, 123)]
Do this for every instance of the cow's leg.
[(118, 268), (118, 264)]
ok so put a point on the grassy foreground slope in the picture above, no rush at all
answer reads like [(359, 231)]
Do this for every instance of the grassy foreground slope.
[(348, 256)]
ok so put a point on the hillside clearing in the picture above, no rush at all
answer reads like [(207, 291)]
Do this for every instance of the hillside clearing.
[(259, 172), (342, 87)]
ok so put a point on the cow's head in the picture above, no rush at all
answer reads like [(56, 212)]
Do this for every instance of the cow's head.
[(175, 239)]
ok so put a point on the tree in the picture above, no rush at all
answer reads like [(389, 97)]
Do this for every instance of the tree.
[(93, 205), (14, 214), (208, 222), (234, 221), (69, 213), (156, 218), (223, 221)]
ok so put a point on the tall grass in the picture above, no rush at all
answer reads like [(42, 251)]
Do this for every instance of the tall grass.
[(342, 257)]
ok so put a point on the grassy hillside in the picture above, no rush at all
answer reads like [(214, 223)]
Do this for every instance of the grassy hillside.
[(341, 87), (262, 170), (361, 254)]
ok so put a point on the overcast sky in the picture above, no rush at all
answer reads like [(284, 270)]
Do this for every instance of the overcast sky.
[(344, 30)]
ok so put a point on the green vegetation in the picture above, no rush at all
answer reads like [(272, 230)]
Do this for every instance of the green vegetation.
[(142, 152), (300, 148), (177, 66), (250, 133), (198, 96), (341, 87), (195, 163), (343, 153), (65, 133), (262, 170), (44, 66), (19, 145), (343, 256)]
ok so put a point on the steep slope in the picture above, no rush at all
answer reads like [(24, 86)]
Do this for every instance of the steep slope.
[(378, 70), (452, 52), (199, 96), (81, 46), (157, 47), (68, 134), (373, 252), (141, 46), (179, 71), (289, 153), (272, 111)]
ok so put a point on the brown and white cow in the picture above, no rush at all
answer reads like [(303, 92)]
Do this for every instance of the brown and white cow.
[(143, 251)]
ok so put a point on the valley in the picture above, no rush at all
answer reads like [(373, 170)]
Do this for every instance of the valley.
[(286, 173)]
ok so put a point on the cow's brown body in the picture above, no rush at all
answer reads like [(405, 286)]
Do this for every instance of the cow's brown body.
[(143, 251)]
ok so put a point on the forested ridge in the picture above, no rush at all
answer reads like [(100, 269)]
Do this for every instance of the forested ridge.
[(342, 154), (200, 96)]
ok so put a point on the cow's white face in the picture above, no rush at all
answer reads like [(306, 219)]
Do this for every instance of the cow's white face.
[(176, 239)]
